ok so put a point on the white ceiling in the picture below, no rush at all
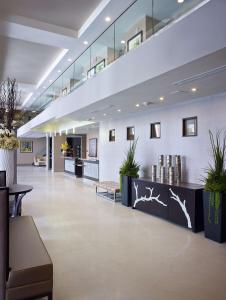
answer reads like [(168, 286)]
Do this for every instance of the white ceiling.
[(34, 34), (24, 60), (70, 14)]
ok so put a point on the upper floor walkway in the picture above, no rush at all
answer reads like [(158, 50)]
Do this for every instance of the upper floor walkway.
[(114, 71)]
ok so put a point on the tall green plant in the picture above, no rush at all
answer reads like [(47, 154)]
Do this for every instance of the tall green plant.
[(215, 181), (130, 167)]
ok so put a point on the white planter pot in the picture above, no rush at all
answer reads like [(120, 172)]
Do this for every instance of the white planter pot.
[(7, 164)]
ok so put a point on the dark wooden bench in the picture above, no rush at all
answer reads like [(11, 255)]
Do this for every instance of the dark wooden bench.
[(110, 186), (26, 269)]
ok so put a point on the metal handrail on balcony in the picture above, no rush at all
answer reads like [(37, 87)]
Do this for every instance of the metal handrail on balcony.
[(136, 24)]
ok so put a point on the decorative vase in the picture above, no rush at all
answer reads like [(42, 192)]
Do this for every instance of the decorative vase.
[(126, 190), (215, 216), (7, 164)]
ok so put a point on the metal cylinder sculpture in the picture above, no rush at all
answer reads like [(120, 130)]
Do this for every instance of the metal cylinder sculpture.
[(178, 168), (168, 165), (160, 164), (153, 172), (171, 175), (162, 174)]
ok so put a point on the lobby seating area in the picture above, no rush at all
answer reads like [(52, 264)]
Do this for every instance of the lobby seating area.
[(104, 250), (26, 269), (40, 161), (112, 150)]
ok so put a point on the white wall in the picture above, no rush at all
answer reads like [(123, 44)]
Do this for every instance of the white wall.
[(28, 158), (92, 134), (211, 113)]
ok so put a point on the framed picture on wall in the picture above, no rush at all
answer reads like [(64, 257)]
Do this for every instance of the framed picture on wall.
[(91, 72), (155, 130), (190, 126), (112, 135), (92, 147), (64, 92), (100, 66), (26, 146), (135, 41), (130, 133)]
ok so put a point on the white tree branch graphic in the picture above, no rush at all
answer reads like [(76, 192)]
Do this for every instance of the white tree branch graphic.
[(146, 199), (183, 207)]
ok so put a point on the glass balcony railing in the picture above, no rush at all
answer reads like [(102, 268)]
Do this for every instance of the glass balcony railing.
[(140, 21)]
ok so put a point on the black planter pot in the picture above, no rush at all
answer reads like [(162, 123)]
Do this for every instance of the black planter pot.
[(126, 190), (215, 217)]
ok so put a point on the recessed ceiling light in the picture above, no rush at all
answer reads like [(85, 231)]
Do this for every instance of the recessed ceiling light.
[(137, 105), (194, 90), (69, 59), (50, 80), (34, 111), (119, 110), (180, 1), (161, 98), (85, 43), (59, 71), (43, 87), (104, 115), (123, 42), (108, 19)]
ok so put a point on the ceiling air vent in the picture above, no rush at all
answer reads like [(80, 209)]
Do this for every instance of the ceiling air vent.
[(178, 92), (147, 103), (200, 76)]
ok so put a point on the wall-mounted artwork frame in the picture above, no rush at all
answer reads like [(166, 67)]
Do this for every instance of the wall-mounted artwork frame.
[(130, 133), (100, 66), (112, 135), (190, 127), (91, 72), (96, 69), (155, 130), (64, 92), (26, 146), (135, 41), (93, 147)]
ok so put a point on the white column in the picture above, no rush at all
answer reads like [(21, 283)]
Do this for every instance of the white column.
[(47, 152), (15, 167), (57, 157)]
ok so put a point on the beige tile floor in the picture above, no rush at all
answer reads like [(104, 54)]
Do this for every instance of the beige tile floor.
[(105, 251)]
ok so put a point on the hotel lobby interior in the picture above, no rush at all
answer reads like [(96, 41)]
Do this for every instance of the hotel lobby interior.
[(112, 150)]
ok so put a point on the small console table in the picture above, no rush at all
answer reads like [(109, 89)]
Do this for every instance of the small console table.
[(91, 169), (179, 203)]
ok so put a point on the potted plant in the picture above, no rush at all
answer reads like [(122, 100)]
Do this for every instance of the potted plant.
[(215, 191), (64, 148), (9, 101), (128, 170)]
